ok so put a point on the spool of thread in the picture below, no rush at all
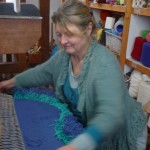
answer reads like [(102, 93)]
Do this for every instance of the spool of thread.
[(144, 33), (145, 57), (137, 49), (119, 25), (109, 24), (148, 37), (122, 2)]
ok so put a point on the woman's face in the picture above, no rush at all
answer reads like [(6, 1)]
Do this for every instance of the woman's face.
[(75, 41)]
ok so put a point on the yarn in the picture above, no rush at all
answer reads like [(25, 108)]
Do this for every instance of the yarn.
[(119, 25), (103, 15), (109, 24), (121, 2), (145, 56), (99, 34), (135, 79), (148, 37), (146, 78), (143, 93), (144, 33), (137, 49)]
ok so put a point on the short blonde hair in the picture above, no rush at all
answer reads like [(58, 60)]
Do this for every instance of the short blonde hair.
[(74, 12)]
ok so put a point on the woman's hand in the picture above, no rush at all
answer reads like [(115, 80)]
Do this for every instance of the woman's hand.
[(7, 84), (67, 147)]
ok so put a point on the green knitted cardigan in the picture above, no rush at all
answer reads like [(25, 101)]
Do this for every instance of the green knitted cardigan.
[(103, 97)]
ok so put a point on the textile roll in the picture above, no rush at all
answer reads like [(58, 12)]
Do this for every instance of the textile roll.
[(109, 24), (145, 57), (119, 25), (148, 37), (135, 79), (143, 93), (137, 49)]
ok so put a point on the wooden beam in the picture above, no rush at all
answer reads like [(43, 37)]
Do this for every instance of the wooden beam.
[(44, 41), (23, 1)]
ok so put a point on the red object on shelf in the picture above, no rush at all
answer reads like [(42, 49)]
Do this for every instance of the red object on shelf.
[(137, 49)]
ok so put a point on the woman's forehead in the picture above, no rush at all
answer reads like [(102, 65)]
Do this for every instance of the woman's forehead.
[(68, 28)]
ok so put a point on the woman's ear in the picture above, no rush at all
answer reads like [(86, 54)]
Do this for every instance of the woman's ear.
[(89, 28)]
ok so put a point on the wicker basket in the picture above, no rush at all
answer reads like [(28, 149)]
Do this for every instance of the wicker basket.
[(113, 42)]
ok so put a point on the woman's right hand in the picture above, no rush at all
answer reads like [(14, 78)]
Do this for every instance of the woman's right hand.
[(7, 84)]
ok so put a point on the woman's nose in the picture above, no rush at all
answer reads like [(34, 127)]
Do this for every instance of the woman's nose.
[(63, 40)]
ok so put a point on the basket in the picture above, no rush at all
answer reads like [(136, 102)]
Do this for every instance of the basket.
[(113, 42)]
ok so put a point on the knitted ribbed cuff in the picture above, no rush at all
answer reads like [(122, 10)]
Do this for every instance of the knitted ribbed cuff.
[(84, 142)]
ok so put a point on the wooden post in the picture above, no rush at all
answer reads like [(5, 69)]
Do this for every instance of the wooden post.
[(44, 41)]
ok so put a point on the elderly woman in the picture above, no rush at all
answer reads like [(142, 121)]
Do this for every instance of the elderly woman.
[(87, 76)]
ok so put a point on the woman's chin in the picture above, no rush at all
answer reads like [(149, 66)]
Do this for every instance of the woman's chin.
[(70, 51)]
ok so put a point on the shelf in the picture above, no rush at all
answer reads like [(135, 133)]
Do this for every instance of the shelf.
[(109, 7), (138, 66), (142, 11)]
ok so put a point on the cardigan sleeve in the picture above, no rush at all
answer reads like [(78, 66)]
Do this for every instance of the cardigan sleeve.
[(43, 74)]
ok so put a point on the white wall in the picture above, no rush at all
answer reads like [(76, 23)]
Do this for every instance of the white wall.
[(16, 4), (54, 4), (35, 2)]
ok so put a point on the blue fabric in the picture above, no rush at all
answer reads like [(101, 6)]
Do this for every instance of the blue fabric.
[(54, 50), (70, 93), (73, 97), (37, 121)]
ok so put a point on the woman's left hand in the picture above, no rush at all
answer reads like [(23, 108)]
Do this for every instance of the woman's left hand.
[(67, 147)]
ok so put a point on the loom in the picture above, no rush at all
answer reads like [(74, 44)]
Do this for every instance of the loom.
[(20, 29)]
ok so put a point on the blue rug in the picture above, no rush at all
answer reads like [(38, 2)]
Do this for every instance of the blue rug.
[(45, 122)]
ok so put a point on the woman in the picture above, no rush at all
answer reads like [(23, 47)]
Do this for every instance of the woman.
[(87, 76)]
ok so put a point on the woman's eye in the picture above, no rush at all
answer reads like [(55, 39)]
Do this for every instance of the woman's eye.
[(59, 35)]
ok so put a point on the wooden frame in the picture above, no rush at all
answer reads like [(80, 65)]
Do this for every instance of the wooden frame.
[(44, 42)]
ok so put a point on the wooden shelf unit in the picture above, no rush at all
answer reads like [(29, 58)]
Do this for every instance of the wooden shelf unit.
[(101, 6), (142, 16), (128, 11), (142, 11), (138, 66)]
